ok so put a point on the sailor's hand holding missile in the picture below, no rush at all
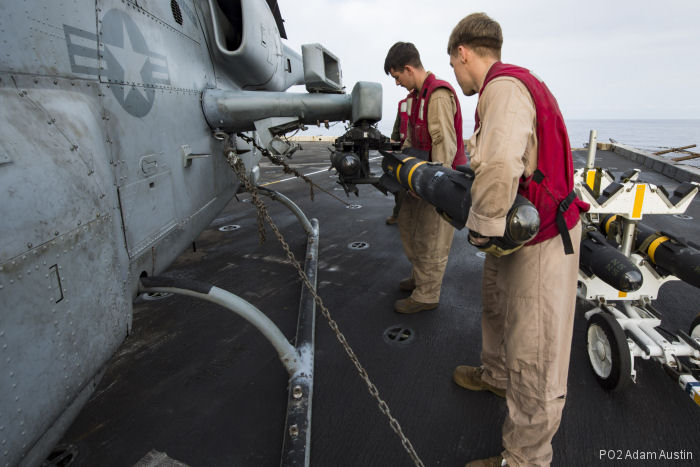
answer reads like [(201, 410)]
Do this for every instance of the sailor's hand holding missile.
[(476, 239), (450, 192)]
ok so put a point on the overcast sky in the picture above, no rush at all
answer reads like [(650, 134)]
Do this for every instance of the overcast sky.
[(613, 59)]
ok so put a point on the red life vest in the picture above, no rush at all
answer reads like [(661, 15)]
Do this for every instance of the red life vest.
[(550, 188), (404, 105), (418, 119)]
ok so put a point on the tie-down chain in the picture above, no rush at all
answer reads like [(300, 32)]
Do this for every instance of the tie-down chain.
[(239, 168)]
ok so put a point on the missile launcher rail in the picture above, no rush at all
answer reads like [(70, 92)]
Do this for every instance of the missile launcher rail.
[(623, 325)]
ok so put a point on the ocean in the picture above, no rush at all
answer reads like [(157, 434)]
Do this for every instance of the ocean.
[(649, 135), (643, 134)]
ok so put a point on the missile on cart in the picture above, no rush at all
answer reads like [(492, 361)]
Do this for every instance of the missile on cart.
[(450, 192), (602, 259), (670, 254)]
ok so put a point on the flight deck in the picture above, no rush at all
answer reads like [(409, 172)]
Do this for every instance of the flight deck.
[(203, 386)]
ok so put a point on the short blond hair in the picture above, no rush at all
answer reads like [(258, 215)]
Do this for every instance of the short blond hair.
[(478, 32)]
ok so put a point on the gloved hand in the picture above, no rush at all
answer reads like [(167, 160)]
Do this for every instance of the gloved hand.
[(476, 239), (491, 245)]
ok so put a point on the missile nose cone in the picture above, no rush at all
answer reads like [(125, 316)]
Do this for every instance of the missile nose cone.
[(349, 165), (523, 224), (631, 281), (346, 163)]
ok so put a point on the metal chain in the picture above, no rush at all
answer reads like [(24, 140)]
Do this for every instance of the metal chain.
[(239, 168), (289, 170)]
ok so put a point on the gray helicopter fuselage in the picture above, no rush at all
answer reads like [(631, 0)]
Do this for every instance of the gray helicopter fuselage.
[(101, 103)]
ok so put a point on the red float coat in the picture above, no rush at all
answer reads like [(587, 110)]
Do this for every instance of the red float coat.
[(403, 118), (550, 188), (418, 118)]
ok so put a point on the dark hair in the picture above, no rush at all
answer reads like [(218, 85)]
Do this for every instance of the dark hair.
[(478, 32), (400, 55)]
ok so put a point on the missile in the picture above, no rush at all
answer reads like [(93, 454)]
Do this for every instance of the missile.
[(600, 258), (346, 162), (669, 254), (450, 192)]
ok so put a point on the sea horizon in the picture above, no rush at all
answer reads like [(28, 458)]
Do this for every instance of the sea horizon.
[(646, 134), (641, 133)]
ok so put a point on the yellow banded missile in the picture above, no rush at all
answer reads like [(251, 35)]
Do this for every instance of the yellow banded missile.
[(450, 192), (669, 253)]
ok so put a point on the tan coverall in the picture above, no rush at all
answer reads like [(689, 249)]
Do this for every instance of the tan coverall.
[(425, 235), (529, 296)]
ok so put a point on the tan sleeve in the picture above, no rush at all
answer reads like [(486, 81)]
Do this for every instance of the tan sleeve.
[(396, 131), (502, 150), (407, 141), (441, 125), (409, 131), (409, 137)]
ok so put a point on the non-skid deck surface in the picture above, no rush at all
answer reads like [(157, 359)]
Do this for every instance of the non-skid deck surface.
[(200, 384)]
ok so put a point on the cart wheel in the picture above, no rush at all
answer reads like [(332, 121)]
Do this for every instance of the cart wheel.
[(695, 328), (608, 352)]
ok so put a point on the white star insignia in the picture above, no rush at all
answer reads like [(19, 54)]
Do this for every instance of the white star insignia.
[(131, 61)]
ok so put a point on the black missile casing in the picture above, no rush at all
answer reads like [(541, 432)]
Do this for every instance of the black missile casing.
[(670, 254), (600, 258), (447, 190), (346, 163), (450, 192)]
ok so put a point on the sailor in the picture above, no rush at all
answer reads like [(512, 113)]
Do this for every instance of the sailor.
[(520, 145), (434, 125), (398, 134)]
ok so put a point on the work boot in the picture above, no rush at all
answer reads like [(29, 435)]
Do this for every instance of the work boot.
[(391, 220), (497, 461), (469, 377), (407, 284), (409, 305)]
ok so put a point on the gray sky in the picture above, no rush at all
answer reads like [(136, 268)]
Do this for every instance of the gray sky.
[(601, 59)]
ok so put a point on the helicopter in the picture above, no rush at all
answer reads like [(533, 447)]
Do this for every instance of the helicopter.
[(114, 118)]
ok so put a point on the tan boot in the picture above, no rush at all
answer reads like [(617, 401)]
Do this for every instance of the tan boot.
[(409, 305), (497, 461), (407, 284), (469, 377), (391, 220)]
